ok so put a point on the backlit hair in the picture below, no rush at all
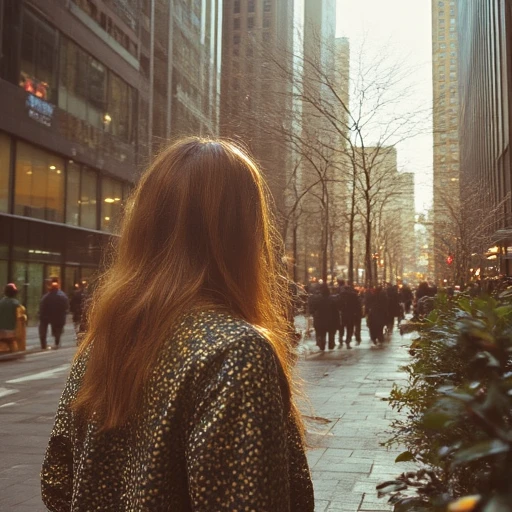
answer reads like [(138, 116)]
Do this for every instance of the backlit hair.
[(197, 233)]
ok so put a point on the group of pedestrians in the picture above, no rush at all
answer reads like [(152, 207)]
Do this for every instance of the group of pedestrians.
[(53, 309), (341, 309)]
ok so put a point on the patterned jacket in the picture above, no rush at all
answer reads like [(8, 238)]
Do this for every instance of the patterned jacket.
[(213, 434)]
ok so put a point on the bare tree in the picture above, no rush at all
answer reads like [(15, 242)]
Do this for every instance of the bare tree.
[(467, 225), (341, 130)]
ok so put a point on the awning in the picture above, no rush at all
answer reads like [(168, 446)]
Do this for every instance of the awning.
[(503, 237)]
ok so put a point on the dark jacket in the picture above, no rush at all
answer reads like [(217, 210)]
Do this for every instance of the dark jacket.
[(349, 304), (325, 311), (214, 433), (377, 307), (76, 304), (53, 307)]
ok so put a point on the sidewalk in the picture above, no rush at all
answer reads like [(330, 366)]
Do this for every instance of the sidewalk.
[(346, 390), (68, 339)]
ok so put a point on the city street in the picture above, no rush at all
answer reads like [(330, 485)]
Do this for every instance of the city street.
[(348, 419)]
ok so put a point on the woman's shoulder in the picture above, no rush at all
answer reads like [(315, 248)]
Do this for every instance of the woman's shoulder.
[(209, 333)]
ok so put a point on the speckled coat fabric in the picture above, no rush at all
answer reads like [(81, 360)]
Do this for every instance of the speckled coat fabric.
[(213, 434)]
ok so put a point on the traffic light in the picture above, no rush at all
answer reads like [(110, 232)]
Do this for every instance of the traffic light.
[(449, 260)]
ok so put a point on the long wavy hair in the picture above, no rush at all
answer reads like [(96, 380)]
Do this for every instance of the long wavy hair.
[(197, 233)]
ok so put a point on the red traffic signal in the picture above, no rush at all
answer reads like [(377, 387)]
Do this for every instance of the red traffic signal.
[(449, 260)]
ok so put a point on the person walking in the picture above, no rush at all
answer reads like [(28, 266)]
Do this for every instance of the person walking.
[(351, 311), (52, 311), (181, 394), (324, 309), (77, 307), (394, 308), (377, 311), (12, 320)]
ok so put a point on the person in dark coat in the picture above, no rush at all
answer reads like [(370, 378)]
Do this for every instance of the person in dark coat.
[(394, 309), (406, 297), (77, 306), (325, 313), (377, 311), (52, 311), (351, 312)]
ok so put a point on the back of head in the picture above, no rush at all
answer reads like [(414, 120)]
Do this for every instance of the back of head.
[(324, 289), (196, 233), (10, 290)]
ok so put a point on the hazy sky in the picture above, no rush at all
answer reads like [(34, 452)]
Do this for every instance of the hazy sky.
[(405, 25)]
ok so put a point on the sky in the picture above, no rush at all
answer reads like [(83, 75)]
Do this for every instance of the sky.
[(405, 26)]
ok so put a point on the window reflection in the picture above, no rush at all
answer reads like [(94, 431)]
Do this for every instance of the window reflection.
[(39, 50), (73, 195), (82, 85), (88, 195), (39, 190), (81, 196), (83, 92), (120, 107), (111, 204)]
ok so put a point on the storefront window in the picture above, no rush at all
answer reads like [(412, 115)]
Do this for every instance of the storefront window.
[(5, 166), (111, 204), (73, 195), (82, 85), (88, 201), (39, 190), (39, 51), (81, 196)]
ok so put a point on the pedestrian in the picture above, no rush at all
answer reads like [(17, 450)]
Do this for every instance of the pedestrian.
[(350, 311), (52, 312), (406, 297), (324, 309), (394, 308), (377, 311), (12, 320), (181, 394), (77, 306)]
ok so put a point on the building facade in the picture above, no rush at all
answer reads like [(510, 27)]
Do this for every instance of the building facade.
[(256, 83), (446, 130), (185, 70), (79, 96), (485, 77)]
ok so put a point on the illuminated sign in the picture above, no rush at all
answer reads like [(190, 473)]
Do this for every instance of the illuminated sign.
[(39, 110)]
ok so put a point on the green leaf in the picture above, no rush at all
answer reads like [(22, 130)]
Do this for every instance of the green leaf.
[(405, 457), (481, 450), (444, 412), (412, 504), (503, 311), (391, 486)]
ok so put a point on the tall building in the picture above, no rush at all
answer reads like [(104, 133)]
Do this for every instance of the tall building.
[(319, 30), (405, 206), (485, 77), (81, 97), (319, 61), (185, 75), (257, 41), (446, 129)]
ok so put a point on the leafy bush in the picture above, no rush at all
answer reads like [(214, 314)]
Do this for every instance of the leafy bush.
[(458, 409)]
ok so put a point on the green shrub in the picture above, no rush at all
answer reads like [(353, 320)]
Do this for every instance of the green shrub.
[(457, 421)]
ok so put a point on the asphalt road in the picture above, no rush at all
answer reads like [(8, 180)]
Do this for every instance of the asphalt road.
[(30, 389)]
